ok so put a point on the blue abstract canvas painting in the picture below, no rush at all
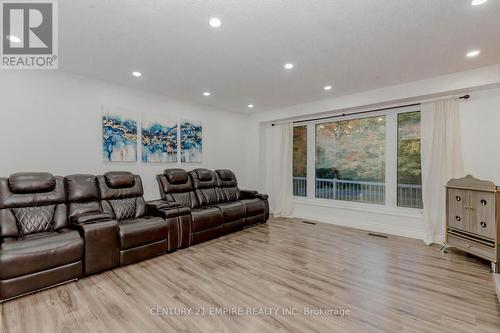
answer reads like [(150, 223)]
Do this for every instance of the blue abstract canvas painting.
[(159, 140), (191, 141), (119, 137)]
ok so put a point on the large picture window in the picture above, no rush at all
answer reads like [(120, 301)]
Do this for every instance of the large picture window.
[(300, 161), (350, 160), (373, 159), (409, 161)]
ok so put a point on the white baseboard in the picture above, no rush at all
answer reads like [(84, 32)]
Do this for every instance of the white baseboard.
[(379, 222)]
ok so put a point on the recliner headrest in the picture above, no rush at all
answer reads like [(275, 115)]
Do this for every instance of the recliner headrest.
[(226, 178), (203, 178), (204, 175), (176, 176), (119, 185), (225, 174), (119, 179), (174, 181), (32, 182)]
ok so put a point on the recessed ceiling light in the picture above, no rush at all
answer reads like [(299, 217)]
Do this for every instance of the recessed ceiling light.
[(215, 22), (288, 66), (137, 74), (14, 39), (250, 106), (473, 53), (478, 2), (327, 87), (206, 93)]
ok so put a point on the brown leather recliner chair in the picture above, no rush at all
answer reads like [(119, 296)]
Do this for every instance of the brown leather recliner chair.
[(208, 194), (256, 204), (176, 190), (141, 236), (207, 218), (37, 247), (176, 187)]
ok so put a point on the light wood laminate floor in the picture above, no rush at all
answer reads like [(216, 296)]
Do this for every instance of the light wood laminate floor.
[(388, 285)]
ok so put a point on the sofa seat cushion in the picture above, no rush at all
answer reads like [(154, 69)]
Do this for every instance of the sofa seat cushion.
[(232, 211), (142, 231), (39, 252), (254, 206), (206, 218)]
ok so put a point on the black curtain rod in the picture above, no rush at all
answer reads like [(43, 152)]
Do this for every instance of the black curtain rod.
[(363, 112)]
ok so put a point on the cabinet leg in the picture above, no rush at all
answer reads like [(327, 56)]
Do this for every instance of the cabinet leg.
[(443, 248), (494, 267)]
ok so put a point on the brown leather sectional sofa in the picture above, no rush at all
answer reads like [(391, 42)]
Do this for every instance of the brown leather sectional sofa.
[(55, 229), (217, 205)]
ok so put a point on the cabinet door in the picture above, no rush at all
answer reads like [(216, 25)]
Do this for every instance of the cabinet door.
[(482, 214), (458, 216)]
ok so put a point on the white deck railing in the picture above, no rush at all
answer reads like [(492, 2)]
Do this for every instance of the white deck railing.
[(300, 186), (360, 191)]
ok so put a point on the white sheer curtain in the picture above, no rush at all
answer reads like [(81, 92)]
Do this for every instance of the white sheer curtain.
[(279, 143), (442, 159)]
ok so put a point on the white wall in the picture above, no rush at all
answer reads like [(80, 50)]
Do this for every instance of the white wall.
[(480, 138), (51, 121), (480, 122)]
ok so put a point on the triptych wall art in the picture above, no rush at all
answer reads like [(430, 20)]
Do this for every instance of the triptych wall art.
[(159, 138)]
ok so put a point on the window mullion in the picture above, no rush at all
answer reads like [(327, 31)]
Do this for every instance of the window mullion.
[(311, 161), (391, 160)]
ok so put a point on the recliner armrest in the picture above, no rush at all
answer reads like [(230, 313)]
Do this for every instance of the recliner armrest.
[(248, 194), (164, 208), (262, 196), (91, 217), (162, 204)]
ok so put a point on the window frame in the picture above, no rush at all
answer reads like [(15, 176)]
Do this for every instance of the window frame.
[(398, 155), (307, 156), (391, 164)]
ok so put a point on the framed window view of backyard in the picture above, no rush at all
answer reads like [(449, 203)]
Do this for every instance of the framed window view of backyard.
[(350, 160), (372, 159)]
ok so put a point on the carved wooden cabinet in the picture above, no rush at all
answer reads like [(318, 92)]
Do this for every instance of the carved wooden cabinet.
[(473, 218)]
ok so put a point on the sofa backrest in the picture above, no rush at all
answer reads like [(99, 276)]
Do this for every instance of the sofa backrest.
[(205, 186), (227, 185), (82, 194), (176, 186), (32, 202), (121, 193)]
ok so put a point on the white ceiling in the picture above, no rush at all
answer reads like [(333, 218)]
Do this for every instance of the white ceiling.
[(354, 45)]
